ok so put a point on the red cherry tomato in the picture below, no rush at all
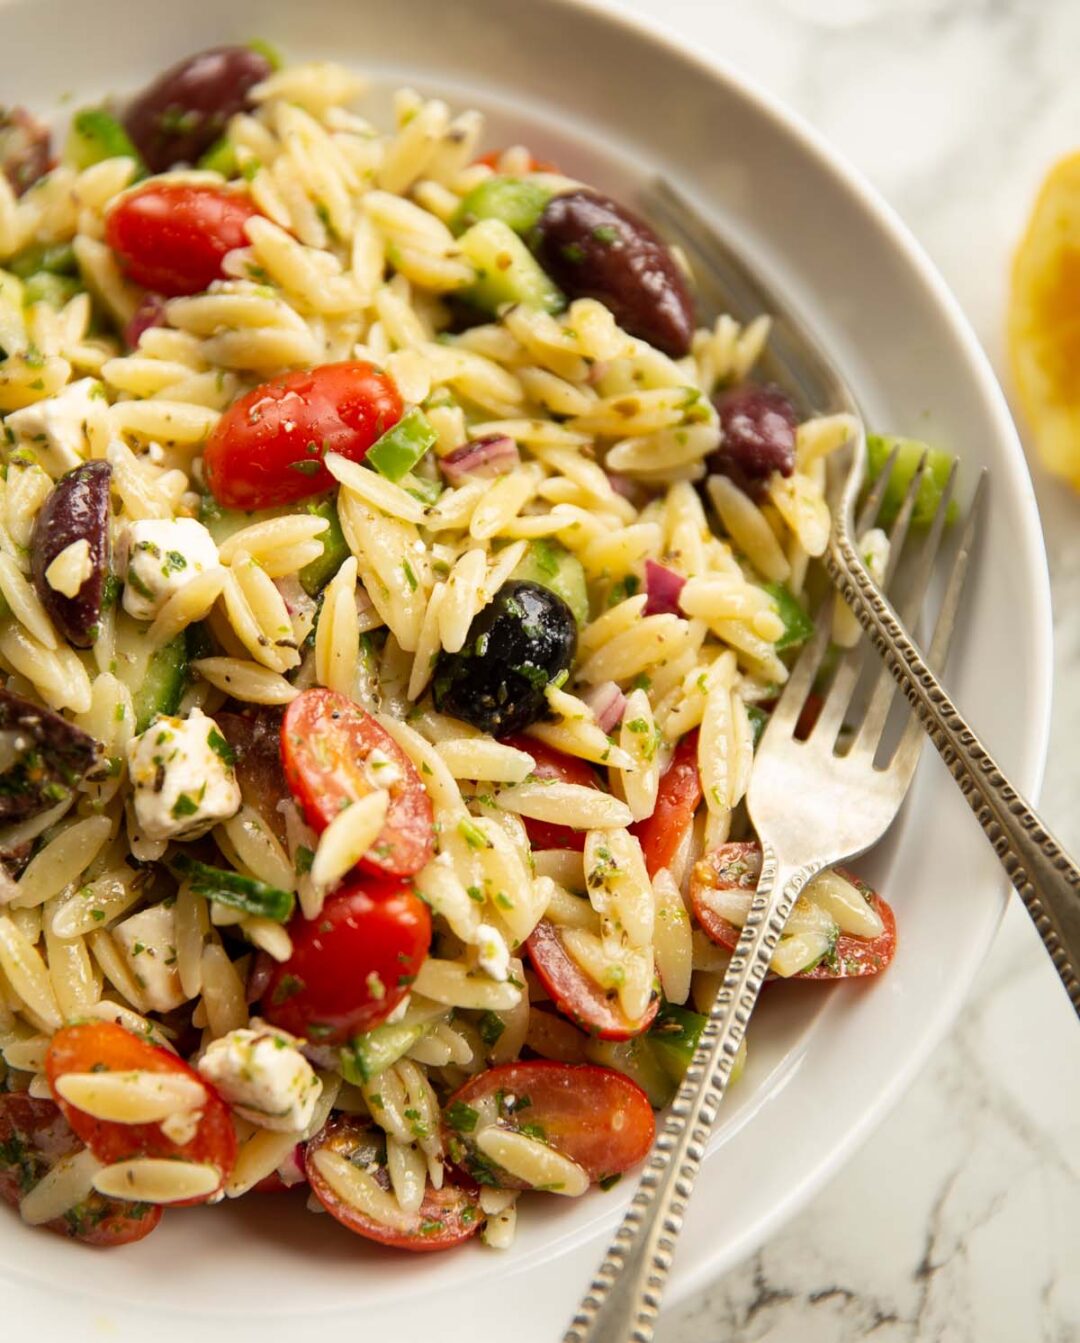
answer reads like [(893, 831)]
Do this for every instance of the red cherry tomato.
[(738, 866), (593, 1115), (327, 748), (102, 1046), (552, 764), (677, 800), (173, 238), (352, 965), (268, 447), (575, 994), (34, 1135), (492, 157), (446, 1217)]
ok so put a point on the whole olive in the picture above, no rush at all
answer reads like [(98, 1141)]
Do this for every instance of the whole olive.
[(515, 648), (25, 148), (594, 248), (76, 510), (180, 115), (757, 425)]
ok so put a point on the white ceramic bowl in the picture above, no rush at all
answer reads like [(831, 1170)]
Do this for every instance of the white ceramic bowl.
[(612, 101)]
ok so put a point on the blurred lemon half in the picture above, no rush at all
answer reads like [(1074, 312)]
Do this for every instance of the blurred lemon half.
[(1044, 320)]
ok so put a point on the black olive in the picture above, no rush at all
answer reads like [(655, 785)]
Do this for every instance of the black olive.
[(51, 756), (76, 510), (515, 648)]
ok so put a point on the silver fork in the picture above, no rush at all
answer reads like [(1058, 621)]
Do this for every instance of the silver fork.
[(812, 807)]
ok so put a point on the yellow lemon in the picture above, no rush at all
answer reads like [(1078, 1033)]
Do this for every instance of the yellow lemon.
[(1044, 320)]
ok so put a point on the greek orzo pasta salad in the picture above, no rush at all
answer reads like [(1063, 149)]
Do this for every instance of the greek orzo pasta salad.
[(394, 579)]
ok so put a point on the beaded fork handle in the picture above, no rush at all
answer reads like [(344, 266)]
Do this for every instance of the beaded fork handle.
[(623, 1301), (1045, 877)]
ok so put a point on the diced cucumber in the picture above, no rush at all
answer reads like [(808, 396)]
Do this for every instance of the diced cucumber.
[(220, 158), (421, 488), (400, 448), (517, 202), (674, 1036), (96, 135), (315, 576), (910, 451), (45, 287), (267, 50), (636, 1059), (367, 1055), (554, 567), (157, 678), (798, 626), (759, 721), (506, 271), (222, 522), (247, 894), (56, 258)]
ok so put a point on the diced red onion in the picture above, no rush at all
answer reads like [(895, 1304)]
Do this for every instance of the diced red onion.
[(150, 312), (662, 589), (495, 455), (629, 489), (258, 978), (291, 1172), (608, 703)]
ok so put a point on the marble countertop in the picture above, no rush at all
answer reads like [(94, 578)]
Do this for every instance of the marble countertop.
[(960, 1220)]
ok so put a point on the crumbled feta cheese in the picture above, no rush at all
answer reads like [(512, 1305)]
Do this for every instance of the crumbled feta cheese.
[(182, 778), (492, 953), (147, 942), (379, 770), (264, 1077), (55, 429), (164, 554)]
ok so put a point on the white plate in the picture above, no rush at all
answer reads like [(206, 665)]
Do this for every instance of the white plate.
[(613, 100)]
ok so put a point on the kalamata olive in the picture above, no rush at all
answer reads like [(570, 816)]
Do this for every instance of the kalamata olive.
[(758, 435), (186, 109), (44, 757), (593, 248), (515, 647), (255, 739), (25, 153), (76, 510)]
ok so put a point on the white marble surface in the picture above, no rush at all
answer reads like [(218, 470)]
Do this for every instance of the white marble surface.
[(960, 1220)]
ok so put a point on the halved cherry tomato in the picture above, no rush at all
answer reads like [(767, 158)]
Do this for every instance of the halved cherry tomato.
[(352, 965), (492, 157), (334, 753), (593, 1115), (738, 866), (552, 764), (172, 238), (576, 994), (446, 1217), (34, 1135), (677, 800), (102, 1046), (268, 447)]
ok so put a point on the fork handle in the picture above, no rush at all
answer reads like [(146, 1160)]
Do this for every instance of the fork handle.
[(1045, 877), (623, 1301)]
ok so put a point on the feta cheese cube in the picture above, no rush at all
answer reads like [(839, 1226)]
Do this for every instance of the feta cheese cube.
[(182, 779), (147, 941), (492, 953), (264, 1077), (55, 429), (164, 554)]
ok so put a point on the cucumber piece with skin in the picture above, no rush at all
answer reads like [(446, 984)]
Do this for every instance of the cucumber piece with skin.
[(247, 894), (157, 680), (506, 271), (636, 1059), (315, 576), (909, 453), (798, 626), (367, 1055), (518, 202), (554, 567), (96, 135), (674, 1036)]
